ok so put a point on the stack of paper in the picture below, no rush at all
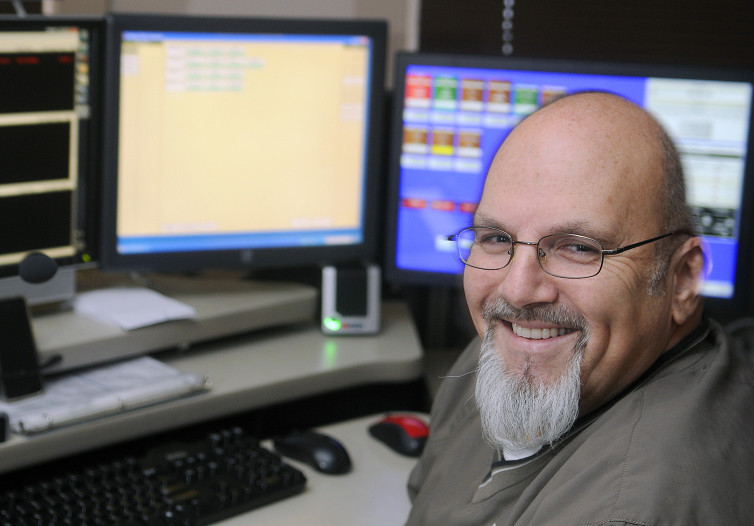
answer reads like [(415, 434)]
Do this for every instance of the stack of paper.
[(101, 391)]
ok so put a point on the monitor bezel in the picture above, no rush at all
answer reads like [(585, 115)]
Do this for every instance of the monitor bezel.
[(87, 218), (742, 300), (256, 258)]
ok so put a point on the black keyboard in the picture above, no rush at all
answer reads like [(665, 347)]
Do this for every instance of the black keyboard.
[(182, 483)]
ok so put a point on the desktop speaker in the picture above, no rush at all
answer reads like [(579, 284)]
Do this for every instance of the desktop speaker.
[(351, 299), (19, 366)]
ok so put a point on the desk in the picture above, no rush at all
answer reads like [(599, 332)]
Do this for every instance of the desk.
[(247, 372), (373, 494), (225, 304)]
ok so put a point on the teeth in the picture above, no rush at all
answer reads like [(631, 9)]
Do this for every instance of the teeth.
[(539, 334)]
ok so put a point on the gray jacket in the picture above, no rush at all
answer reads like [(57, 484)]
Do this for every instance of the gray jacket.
[(676, 448)]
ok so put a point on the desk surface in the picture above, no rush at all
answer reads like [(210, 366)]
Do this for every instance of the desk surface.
[(247, 372), (373, 494), (224, 303)]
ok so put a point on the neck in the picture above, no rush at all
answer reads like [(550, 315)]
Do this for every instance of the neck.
[(680, 331)]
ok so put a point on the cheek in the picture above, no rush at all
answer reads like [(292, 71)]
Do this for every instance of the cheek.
[(617, 292), (606, 309), (478, 286), (623, 324)]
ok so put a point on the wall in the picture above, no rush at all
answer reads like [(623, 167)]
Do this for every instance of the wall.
[(695, 32), (402, 15)]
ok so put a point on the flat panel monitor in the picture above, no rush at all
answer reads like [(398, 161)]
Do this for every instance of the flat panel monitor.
[(451, 113), (49, 136), (241, 142)]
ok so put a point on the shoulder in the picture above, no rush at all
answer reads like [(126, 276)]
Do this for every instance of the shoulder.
[(455, 431), (454, 403), (694, 438), (679, 445), (706, 392)]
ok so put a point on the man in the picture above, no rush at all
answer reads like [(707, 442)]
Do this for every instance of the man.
[(597, 393)]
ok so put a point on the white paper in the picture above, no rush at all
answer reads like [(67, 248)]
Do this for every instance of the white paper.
[(130, 307)]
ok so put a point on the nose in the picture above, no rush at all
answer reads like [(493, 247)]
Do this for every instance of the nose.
[(524, 282)]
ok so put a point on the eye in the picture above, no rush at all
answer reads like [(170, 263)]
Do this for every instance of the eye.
[(493, 240), (574, 248), (582, 247)]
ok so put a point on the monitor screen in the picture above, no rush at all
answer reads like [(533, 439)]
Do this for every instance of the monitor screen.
[(234, 142), (451, 113), (49, 132)]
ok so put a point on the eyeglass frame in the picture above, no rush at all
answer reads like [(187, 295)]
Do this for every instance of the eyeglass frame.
[(603, 252)]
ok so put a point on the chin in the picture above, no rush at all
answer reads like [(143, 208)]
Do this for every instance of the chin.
[(520, 407)]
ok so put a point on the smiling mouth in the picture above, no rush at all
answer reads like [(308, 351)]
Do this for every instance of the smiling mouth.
[(539, 334)]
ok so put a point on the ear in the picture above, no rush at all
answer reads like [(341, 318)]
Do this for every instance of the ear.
[(687, 269)]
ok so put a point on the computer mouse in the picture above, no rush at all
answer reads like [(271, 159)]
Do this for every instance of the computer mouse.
[(322, 452), (405, 434)]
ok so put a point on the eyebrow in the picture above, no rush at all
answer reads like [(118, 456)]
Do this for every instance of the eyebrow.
[(605, 237), (484, 221)]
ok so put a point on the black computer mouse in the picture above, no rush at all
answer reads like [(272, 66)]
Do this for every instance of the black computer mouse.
[(322, 452), (405, 434)]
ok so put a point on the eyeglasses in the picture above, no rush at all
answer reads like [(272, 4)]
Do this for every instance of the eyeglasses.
[(569, 256)]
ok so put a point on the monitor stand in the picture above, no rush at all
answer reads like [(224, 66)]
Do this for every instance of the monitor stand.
[(225, 304)]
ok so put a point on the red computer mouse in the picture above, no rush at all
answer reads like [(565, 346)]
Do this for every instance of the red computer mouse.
[(405, 434)]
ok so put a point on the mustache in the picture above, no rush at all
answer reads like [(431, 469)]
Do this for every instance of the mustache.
[(558, 315)]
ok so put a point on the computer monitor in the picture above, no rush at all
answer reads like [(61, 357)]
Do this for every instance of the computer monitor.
[(49, 136), (450, 114), (241, 142)]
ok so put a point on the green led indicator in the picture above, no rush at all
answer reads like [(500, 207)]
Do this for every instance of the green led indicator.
[(332, 324)]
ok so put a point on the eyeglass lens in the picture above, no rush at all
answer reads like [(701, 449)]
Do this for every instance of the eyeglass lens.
[(564, 255)]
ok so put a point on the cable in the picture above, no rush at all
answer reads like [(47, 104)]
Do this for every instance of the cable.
[(18, 6)]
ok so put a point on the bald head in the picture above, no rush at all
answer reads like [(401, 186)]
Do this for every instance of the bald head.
[(622, 144)]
